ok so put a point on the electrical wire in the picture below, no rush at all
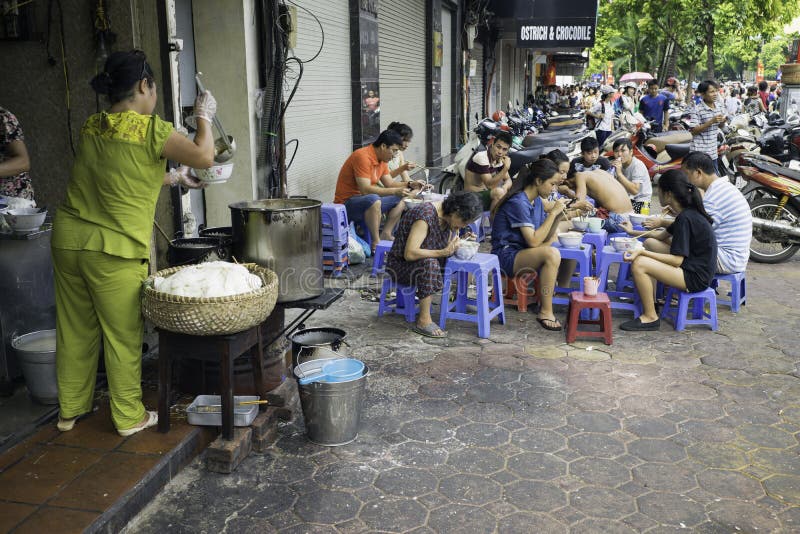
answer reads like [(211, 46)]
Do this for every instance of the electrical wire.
[(321, 31), (296, 146), (64, 66)]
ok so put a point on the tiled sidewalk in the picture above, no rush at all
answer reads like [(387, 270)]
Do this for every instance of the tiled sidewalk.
[(89, 478)]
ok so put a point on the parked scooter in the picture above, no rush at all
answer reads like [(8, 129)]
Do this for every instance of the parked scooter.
[(773, 192)]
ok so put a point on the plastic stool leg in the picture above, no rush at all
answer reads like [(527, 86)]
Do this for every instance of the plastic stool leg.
[(382, 305), (445, 304)]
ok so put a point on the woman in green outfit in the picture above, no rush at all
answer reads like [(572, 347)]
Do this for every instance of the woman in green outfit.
[(101, 237)]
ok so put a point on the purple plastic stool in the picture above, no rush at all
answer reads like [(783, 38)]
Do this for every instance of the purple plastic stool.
[(583, 256), (699, 316), (624, 288), (403, 303), (380, 256), (597, 239), (738, 293), (482, 267)]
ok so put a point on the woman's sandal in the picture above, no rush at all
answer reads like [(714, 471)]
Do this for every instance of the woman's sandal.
[(429, 331), (551, 327), (65, 425), (151, 419)]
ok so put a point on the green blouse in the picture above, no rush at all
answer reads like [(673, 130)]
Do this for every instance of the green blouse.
[(115, 183)]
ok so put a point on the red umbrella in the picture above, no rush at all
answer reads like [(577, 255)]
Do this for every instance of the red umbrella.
[(635, 77)]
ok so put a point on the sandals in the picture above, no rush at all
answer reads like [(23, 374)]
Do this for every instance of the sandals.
[(636, 325), (429, 331), (65, 425), (151, 420), (551, 326)]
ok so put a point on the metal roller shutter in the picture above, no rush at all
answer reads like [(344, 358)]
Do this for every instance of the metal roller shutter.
[(320, 115), (447, 80), (401, 60), (476, 86)]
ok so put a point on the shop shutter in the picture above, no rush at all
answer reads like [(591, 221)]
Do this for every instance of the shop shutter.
[(447, 79), (320, 115), (476, 86), (401, 60)]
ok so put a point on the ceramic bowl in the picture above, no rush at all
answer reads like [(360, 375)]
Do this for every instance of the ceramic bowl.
[(595, 224), (215, 174), (570, 239), (412, 202), (25, 219), (466, 250), (637, 218), (579, 223), (621, 244)]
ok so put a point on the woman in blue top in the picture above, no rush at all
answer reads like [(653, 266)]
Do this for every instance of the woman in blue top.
[(692, 259), (524, 227)]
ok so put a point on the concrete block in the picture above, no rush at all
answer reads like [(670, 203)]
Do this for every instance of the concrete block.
[(225, 456)]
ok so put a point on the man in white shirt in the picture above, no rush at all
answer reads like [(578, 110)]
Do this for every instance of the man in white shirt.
[(632, 174)]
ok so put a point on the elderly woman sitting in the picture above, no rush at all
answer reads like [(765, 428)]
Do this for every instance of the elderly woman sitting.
[(426, 236)]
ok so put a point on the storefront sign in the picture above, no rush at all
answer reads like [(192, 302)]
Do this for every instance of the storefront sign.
[(554, 33)]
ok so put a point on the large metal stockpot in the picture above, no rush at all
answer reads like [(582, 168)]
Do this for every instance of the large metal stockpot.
[(284, 235)]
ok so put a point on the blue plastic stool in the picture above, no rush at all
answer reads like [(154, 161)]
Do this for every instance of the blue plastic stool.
[(403, 303), (334, 219), (699, 316), (624, 288), (738, 293), (597, 239), (583, 256), (380, 256), (482, 267)]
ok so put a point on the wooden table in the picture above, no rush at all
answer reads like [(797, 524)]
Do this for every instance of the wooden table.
[(223, 349)]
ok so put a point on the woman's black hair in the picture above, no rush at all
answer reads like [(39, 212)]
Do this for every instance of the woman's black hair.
[(464, 204), (537, 171), (388, 138), (556, 156), (123, 70), (404, 130), (688, 196)]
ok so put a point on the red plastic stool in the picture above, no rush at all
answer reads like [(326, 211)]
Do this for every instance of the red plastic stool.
[(518, 290), (577, 302)]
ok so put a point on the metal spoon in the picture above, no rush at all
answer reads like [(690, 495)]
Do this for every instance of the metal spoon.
[(227, 141)]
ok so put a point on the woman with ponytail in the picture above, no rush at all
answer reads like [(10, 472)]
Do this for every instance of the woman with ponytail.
[(101, 237), (524, 226), (692, 259)]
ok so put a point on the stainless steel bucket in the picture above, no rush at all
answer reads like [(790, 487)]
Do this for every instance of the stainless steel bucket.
[(315, 344), (36, 354), (284, 235), (332, 411)]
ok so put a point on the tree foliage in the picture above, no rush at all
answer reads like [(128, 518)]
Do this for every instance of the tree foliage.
[(712, 37)]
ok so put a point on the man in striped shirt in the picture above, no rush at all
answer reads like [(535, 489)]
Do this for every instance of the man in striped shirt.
[(706, 116), (733, 223)]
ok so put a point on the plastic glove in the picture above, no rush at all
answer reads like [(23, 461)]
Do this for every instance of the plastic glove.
[(205, 106), (181, 176)]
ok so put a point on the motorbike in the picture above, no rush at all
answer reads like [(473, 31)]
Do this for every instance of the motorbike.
[(773, 193), (780, 141)]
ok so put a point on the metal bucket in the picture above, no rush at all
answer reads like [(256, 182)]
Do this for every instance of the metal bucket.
[(315, 344), (284, 235), (36, 354), (332, 411)]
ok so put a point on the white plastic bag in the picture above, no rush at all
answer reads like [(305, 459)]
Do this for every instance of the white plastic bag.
[(355, 252)]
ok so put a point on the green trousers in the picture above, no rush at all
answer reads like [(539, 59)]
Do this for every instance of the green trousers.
[(97, 297)]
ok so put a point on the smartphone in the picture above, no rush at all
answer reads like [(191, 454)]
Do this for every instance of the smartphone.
[(571, 202)]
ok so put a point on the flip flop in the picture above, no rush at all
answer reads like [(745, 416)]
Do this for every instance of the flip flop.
[(543, 323), (428, 331)]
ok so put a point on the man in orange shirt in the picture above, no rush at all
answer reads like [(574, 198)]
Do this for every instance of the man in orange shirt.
[(357, 187)]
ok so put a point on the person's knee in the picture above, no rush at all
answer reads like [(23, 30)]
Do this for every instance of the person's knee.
[(552, 256)]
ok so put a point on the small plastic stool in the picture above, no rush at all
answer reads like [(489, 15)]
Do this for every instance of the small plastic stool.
[(380, 256), (404, 302), (334, 219), (738, 293), (518, 292), (578, 302), (699, 316), (583, 255), (597, 239), (482, 267), (624, 288)]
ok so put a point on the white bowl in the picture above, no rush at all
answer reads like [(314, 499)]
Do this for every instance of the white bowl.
[(637, 218), (215, 174), (621, 244), (412, 202), (595, 224), (25, 219), (432, 197), (579, 224), (570, 239), (466, 250)]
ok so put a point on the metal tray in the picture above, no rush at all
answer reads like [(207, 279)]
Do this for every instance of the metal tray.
[(242, 415)]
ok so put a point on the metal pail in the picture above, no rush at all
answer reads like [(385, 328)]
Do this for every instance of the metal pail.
[(310, 343), (332, 411)]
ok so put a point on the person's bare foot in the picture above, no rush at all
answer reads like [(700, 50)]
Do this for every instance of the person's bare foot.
[(387, 237)]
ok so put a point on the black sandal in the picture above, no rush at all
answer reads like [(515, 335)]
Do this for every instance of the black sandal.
[(543, 322)]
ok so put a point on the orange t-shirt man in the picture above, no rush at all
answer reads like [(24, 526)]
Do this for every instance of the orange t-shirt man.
[(362, 163)]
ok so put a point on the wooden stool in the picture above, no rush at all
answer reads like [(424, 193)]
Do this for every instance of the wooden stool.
[(577, 302), (518, 291), (222, 349)]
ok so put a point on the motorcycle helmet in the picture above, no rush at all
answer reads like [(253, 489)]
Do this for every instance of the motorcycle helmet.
[(505, 127), (498, 115)]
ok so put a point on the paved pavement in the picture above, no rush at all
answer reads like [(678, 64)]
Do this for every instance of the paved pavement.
[(659, 432)]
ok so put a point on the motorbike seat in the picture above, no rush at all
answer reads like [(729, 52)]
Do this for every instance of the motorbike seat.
[(522, 157), (780, 170), (676, 151)]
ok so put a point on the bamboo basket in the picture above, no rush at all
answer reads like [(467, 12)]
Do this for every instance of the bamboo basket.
[(210, 316)]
